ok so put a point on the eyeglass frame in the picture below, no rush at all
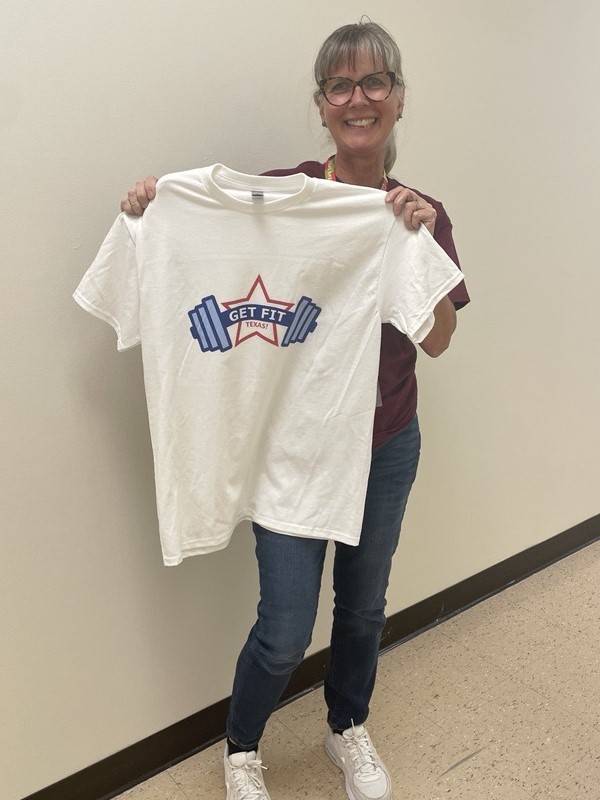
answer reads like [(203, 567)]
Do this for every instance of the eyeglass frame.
[(390, 74)]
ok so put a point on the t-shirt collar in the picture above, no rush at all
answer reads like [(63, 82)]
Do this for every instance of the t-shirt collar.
[(218, 179)]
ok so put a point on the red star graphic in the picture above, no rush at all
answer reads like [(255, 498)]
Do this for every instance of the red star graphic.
[(254, 327)]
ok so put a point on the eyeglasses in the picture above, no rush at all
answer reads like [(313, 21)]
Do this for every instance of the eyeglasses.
[(376, 86)]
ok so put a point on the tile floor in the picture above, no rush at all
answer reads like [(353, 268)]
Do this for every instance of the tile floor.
[(501, 702)]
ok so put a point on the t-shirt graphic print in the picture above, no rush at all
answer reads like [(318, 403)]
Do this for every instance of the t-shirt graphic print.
[(209, 325), (258, 303)]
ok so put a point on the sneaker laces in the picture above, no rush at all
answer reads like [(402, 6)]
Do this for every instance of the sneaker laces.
[(247, 781), (362, 752)]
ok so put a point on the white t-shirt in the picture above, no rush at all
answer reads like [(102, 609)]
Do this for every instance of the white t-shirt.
[(258, 303)]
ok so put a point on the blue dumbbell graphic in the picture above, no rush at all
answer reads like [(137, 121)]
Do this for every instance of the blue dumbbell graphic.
[(209, 325)]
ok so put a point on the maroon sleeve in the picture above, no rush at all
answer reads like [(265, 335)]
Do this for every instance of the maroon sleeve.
[(443, 235)]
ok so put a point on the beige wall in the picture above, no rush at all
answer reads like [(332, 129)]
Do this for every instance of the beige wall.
[(104, 645)]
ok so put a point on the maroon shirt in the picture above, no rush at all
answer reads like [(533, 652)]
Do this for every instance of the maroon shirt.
[(397, 379)]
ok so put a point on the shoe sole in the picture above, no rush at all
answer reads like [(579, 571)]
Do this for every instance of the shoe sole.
[(334, 757)]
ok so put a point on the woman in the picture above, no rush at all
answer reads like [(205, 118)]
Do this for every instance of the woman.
[(360, 96)]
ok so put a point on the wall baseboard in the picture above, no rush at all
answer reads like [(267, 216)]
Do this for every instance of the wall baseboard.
[(117, 773)]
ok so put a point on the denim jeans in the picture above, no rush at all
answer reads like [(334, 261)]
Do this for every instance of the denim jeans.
[(290, 570)]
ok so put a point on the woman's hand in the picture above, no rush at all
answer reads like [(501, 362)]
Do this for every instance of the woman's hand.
[(416, 210), (138, 198)]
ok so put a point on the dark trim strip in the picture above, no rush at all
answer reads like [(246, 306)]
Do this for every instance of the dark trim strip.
[(117, 773)]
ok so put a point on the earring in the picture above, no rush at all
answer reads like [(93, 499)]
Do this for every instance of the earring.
[(323, 123), (398, 117)]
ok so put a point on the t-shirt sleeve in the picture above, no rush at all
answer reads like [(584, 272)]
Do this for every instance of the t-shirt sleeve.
[(415, 275), (109, 288)]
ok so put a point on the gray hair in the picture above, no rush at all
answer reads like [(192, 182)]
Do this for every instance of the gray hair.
[(342, 47)]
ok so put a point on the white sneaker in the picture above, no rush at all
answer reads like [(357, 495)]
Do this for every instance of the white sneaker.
[(243, 776), (353, 752)]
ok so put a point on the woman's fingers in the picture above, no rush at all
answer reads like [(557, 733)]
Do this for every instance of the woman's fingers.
[(404, 202), (137, 199), (410, 211), (427, 216), (414, 208)]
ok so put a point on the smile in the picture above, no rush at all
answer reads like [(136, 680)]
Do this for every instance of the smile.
[(361, 123)]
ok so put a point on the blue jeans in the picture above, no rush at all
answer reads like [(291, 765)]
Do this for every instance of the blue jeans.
[(290, 570)]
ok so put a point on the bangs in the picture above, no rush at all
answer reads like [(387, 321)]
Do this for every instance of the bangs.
[(346, 44)]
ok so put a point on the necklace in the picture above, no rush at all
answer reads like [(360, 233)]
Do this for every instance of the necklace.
[(331, 176)]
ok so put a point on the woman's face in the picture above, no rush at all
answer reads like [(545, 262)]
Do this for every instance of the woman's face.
[(379, 116)]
